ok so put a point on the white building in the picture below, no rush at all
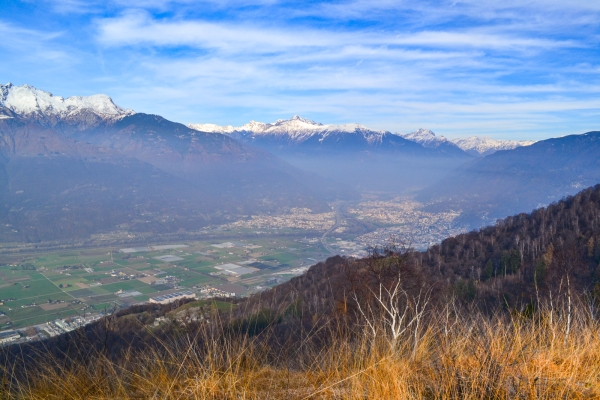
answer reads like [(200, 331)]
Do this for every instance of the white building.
[(8, 336), (167, 298)]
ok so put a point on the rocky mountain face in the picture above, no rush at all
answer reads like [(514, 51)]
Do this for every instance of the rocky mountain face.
[(81, 165), (519, 180)]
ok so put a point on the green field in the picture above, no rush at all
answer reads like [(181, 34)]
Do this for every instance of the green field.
[(95, 276)]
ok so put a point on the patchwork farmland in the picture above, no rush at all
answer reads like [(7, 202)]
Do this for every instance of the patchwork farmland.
[(37, 288)]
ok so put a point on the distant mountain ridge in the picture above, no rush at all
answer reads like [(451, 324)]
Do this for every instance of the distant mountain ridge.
[(430, 140), (294, 131), (299, 134), (483, 146), (426, 138), (474, 145), (353, 154), (297, 131)]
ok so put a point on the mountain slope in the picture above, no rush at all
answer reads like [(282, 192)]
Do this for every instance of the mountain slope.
[(519, 180), (492, 311)]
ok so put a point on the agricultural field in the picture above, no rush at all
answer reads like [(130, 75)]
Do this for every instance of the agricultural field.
[(37, 288)]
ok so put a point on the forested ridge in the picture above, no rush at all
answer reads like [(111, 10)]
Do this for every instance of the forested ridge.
[(525, 255)]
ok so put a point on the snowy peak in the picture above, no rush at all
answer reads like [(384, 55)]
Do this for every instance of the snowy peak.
[(212, 128), (426, 138), (483, 146), (29, 102), (297, 120)]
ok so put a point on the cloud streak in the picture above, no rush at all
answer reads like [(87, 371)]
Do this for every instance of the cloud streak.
[(139, 28), (506, 69)]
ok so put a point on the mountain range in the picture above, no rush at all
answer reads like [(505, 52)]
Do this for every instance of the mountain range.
[(71, 167), (484, 146), (359, 157), (297, 133), (474, 145), (486, 179)]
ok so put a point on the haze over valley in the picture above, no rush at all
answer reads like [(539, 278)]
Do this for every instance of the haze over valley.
[(66, 162)]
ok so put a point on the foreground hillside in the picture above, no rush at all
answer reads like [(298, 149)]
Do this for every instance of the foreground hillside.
[(451, 354), (509, 311)]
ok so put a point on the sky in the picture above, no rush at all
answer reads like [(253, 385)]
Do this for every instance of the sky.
[(511, 69)]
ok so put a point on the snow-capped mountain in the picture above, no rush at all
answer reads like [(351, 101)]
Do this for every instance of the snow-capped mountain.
[(430, 140), (474, 145), (301, 135), (426, 138), (212, 128), (296, 129), (40, 106), (300, 132), (360, 157), (483, 146)]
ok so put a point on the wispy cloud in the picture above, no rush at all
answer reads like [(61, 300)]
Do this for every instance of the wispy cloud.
[(30, 43), (506, 69), (138, 27)]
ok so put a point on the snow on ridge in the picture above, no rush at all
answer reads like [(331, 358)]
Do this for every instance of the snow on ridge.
[(296, 128), (474, 145), (299, 129), (212, 128), (426, 138), (27, 100), (485, 145)]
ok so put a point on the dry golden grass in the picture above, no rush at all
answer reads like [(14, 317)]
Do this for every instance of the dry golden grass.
[(464, 356)]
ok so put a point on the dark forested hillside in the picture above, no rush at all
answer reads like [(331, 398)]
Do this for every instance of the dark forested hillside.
[(525, 255)]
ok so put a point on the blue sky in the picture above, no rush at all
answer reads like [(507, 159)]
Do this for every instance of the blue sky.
[(527, 69)]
